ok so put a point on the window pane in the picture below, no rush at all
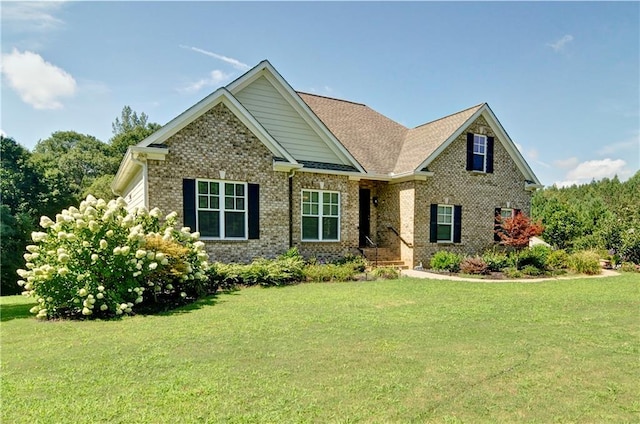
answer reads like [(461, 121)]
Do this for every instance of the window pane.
[(306, 196), (209, 223), (203, 202), (202, 187), (309, 228), (334, 198), (240, 190), (506, 213), (478, 162), (229, 189), (214, 188), (329, 228), (306, 208), (334, 210), (234, 224), (228, 203), (444, 232), (326, 197), (314, 196), (314, 209), (326, 210), (214, 202), (240, 204)]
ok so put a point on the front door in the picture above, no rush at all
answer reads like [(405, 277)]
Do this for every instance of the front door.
[(365, 212)]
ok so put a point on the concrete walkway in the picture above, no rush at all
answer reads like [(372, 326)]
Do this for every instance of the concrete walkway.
[(435, 276)]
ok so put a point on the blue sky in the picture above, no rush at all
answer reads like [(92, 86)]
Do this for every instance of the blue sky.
[(563, 78)]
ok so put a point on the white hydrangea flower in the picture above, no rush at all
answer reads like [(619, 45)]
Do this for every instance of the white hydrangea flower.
[(86, 311), (183, 294), (100, 288), (125, 250), (33, 248), (140, 253), (103, 244), (63, 271), (155, 212), (103, 307), (153, 265), (169, 286), (82, 292), (165, 261), (109, 233), (100, 296), (94, 226), (38, 236), (94, 257), (117, 250), (46, 222)]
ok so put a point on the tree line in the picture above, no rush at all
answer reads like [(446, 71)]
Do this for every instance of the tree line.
[(59, 172), (603, 215)]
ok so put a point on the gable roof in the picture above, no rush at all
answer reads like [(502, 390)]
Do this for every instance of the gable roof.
[(422, 141)]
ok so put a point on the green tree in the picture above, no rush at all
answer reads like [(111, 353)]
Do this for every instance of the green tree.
[(128, 130)]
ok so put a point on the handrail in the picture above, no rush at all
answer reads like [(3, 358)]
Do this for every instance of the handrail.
[(409, 245), (374, 245)]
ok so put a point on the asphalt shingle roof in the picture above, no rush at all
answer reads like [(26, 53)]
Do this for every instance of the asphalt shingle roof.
[(378, 143)]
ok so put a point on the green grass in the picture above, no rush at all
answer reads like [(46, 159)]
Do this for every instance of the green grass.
[(405, 350)]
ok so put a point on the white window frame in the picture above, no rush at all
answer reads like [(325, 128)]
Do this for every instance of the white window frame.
[(222, 208), (451, 224), (480, 140), (502, 213), (320, 215)]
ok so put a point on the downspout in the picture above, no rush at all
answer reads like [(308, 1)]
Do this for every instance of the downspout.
[(291, 173)]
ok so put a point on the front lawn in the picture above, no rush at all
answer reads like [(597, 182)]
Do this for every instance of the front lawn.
[(407, 350)]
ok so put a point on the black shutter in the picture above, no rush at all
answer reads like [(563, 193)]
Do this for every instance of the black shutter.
[(516, 212), (254, 211), (496, 224), (469, 151), (433, 224), (489, 169), (189, 203), (457, 224)]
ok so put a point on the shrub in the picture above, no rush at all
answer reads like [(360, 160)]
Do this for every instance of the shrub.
[(385, 273), (512, 272), (445, 261), (285, 269), (585, 262), (532, 270), (329, 272), (358, 262), (473, 265), (535, 256), (629, 267), (496, 261), (558, 259), (99, 260)]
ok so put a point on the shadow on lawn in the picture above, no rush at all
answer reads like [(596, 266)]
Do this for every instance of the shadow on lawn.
[(198, 304), (9, 312)]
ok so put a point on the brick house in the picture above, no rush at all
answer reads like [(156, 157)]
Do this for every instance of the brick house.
[(257, 168)]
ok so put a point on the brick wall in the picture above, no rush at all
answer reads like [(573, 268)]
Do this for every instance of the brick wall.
[(349, 213), (218, 141), (479, 195)]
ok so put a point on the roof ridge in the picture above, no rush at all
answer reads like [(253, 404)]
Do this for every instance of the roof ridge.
[(332, 98), (450, 115)]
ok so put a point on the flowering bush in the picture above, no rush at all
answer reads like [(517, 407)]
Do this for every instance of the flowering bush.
[(99, 260)]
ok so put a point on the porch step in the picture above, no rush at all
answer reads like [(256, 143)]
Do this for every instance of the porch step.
[(383, 254)]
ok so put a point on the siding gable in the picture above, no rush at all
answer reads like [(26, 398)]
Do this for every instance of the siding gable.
[(284, 123)]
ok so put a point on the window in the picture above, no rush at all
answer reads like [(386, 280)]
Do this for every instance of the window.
[(506, 213), (479, 152), (500, 215), (445, 223), (320, 215), (221, 209)]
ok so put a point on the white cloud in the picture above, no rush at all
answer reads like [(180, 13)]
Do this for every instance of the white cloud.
[(566, 183), (216, 78), (2, 133), (231, 61), (559, 44), (566, 163), (38, 82), (597, 169), (32, 15), (630, 144)]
